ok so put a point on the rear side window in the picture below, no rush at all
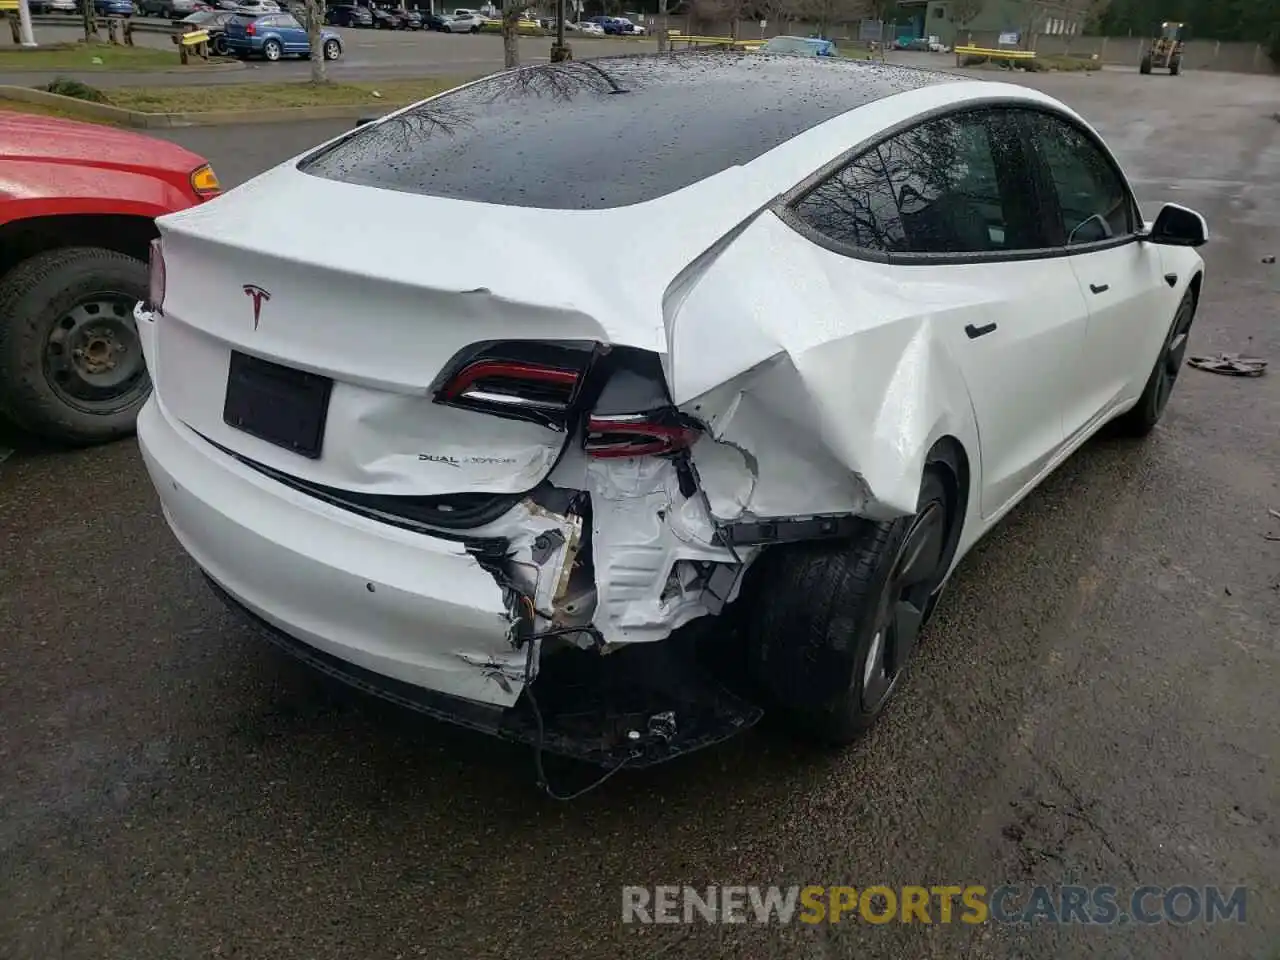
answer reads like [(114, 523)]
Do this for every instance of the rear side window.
[(955, 185), (1093, 203), (855, 207)]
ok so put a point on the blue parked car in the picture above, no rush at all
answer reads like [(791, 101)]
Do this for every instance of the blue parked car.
[(276, 35), (113, 8), (800, 46)]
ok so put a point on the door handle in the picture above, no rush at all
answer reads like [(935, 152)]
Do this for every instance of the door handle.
[(973, 333), (1099, 287)]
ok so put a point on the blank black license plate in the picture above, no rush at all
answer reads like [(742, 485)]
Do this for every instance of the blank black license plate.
[(278, 404)]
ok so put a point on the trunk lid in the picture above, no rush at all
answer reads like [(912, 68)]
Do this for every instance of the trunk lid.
[(382, 319)]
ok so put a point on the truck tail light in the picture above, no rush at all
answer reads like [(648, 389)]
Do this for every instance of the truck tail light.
[(155, 292), (250, 29), (638, 434)]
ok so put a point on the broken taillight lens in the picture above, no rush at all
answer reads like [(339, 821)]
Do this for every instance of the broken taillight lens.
[(638, 435), (155, 291)]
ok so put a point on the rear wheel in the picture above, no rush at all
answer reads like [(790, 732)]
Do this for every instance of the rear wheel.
[(835, 623), (1145, 67), (71, 365), (220, 46), (272, 50), (1175, 68), (1141, 420)]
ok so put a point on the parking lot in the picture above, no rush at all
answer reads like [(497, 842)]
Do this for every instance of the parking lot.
[(1095, 702), (367, 55)]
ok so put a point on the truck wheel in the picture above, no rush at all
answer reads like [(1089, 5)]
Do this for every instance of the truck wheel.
[(1175, 68), (836, 623), (71, 365), (1146, 64)]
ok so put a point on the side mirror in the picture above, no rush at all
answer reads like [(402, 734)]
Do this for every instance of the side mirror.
[(1178, 226)]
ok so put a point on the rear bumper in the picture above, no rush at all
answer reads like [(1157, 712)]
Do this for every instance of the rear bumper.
[(411, 607)]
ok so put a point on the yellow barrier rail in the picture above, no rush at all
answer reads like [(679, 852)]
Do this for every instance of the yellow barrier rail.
[(692, 41), (995, 54), (8, 4), (191, 38)]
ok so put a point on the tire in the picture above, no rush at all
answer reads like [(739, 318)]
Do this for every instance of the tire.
[(1141, 420), (332, 49), (43, 389), (475, 29), (220, 46), (1145, 67), (820, 640), (1175, 68), (272, 50)]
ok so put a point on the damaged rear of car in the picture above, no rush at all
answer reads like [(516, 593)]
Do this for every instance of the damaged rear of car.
[(512, 487)]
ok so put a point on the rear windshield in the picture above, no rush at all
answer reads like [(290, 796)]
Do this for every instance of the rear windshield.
[(594, 134)]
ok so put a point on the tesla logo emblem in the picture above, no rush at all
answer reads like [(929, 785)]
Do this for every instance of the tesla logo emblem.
[(259, 297)]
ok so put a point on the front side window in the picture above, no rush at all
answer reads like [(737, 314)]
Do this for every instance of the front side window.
[(959, 185), (1093, 203)]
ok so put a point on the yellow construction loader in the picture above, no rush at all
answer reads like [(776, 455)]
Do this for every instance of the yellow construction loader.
[(1166, 49)]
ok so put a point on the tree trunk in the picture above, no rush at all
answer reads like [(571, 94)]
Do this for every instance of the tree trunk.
[(510, 36), (90, 21), (664, 41), (315, 17)]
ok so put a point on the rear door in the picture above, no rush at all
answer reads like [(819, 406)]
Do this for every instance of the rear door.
[(292, 34), (946, 216), (1092, 213)]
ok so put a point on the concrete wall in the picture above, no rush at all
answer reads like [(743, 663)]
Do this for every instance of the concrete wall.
[(1199, 55)]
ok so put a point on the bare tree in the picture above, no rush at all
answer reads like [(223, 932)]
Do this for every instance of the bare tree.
[(665, 9), (1037, 13), (315, 17), (962, 11), (827, 13), (781, 12), (512, 11), (90, 20)]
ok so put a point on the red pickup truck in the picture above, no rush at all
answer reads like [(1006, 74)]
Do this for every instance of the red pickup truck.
[(78, 203)]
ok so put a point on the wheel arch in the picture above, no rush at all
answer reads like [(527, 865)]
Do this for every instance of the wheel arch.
[(949, 457), (130, 234)]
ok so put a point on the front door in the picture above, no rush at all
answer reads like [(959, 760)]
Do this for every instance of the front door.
[(1091, 211)]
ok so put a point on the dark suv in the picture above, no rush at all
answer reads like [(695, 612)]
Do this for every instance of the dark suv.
[(348, 15)]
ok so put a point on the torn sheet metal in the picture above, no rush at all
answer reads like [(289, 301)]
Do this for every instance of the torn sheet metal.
[(833, 415)]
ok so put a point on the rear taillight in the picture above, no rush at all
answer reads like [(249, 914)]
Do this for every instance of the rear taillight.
[(638, 435), (521, 381), (250, 29), (155, 292)]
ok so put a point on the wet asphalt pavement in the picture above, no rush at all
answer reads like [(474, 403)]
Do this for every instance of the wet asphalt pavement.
[(1095, 702)]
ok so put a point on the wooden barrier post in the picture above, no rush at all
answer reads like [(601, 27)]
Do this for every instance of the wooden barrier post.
[(10, 10)]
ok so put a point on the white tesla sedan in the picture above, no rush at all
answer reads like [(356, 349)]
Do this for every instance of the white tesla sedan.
[(514, 404)]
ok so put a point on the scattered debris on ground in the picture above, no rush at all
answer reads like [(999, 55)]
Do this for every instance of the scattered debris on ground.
[(1231, 365), (1270, 259)]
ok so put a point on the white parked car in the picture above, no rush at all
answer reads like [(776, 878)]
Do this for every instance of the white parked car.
[(585, 26), (257, 8), (860, 312), (465, 23)]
